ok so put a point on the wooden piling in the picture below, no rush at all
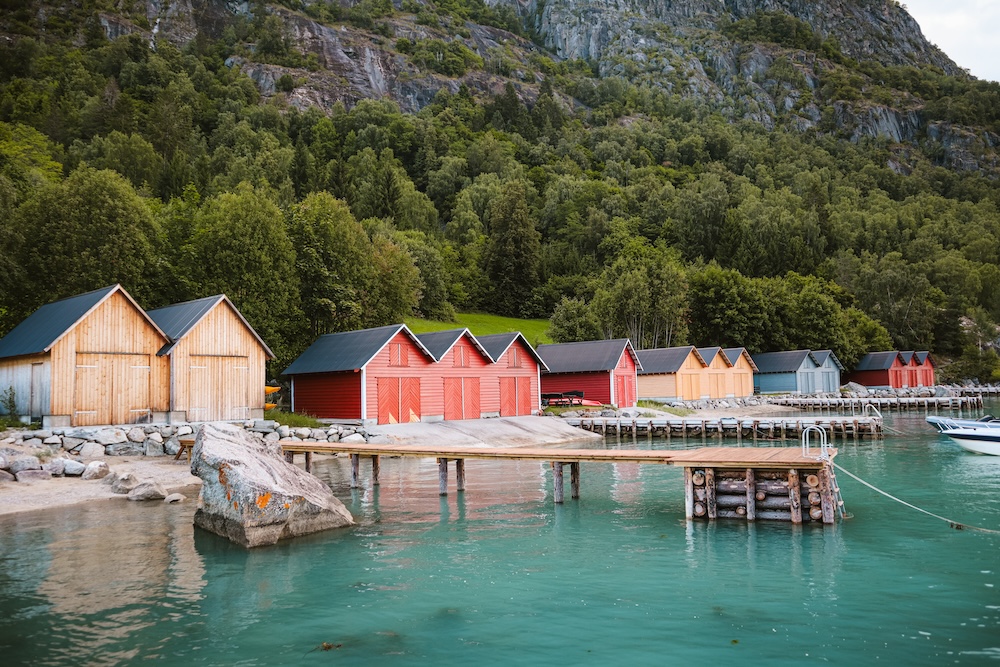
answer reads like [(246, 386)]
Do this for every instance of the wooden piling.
[(460, 474), (442, 476), (751, 496), (557, 481), (376, 468), (688, 494), (355, 472), (710, 492), (574, 477), (794, 496), (826, 497)]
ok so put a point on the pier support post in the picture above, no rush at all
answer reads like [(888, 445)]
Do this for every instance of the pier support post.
[(557, 481), (376, 468), (688, 494), (751, 496), (460, 474), (574, 479), (443, 477), (826, 497), (355, 465), (794, 495), (290, 457), (309, 461), (713, 510)]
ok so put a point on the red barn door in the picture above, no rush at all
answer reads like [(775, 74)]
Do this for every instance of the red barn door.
[(524, 402), (398, 400)]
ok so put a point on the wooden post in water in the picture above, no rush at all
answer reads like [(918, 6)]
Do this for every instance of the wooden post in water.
[(376, 468), (795, 495), (557, 481), (751, 496), (355, 464), (460, 474), (826, 497), (688, 494), (443, 477), (574, 479), (710, 493), (309, 461)]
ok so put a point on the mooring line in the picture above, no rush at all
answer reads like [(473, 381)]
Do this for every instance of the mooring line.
[(954, 524)]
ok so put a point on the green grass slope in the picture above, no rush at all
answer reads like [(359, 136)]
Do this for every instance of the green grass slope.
[(536, 331)]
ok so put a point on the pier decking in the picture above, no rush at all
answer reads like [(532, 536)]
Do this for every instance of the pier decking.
[(776, 483), (900, 403)]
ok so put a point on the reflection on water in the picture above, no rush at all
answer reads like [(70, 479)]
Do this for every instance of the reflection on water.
[(499, 574)]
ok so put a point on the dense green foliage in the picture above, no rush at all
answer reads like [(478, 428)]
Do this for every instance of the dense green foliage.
[(643, 214)]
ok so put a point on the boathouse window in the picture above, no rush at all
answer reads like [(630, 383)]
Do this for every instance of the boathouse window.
[(461, 356), (399, 355), (514, 358)]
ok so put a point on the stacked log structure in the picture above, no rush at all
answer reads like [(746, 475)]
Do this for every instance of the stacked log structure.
[(753, 494)]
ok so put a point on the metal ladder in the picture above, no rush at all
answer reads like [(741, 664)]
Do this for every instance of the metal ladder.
[(824, 455)]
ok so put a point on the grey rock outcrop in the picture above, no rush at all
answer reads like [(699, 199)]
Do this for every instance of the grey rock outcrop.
[(22, 463), (7, 477), (175, 498), (96, 470), (73, 468), (33, 475), (252, 496), (124, 484), (147, 489)]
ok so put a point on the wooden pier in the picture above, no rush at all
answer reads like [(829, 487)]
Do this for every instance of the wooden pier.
[(848, 427), (751, 483), (898, 403)]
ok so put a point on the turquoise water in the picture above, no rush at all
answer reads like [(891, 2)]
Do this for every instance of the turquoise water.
[(500, 575)]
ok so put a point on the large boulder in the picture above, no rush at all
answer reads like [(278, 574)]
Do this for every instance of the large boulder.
[(147, 489), (252, 496)]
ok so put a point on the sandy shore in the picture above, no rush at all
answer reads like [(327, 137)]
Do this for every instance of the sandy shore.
[(176, 476)]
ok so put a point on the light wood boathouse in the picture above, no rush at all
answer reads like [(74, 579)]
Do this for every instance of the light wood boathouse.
[(86, 360), (217, 361)]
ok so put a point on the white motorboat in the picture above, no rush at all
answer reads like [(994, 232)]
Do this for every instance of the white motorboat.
[(978, 440), (943, 423)]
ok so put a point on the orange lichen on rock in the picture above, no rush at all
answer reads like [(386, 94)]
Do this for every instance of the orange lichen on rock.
[(263, 500)]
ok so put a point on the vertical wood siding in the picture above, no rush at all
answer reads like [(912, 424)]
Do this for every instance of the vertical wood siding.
[(328, 395), (218, 369), (596, 386), (401, 358), (31, 379), (120, 377), (624, 377), (739, 380), (510, 386)]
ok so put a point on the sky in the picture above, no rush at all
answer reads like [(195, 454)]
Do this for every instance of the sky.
[(968, 31)]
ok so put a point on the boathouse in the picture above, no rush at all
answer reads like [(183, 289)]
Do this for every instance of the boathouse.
[(739, 379), (517, 369), (87, 360), (715, 372), (217, 361), (373, 375), (797, 372), (604, 370), (461, 382), (892, 369), (670, 374)]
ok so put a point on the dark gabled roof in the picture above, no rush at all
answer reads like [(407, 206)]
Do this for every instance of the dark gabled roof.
[(877, 361), (178, 319), (822, 355), (348, 350), (44, 327), (496, 345), (708, 353), (588, 356), (781, 362), (907, 357), (439, 342), (734, 353), (666, 359), (922, 358)]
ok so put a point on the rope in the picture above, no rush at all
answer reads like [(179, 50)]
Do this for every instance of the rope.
[(954, 524)]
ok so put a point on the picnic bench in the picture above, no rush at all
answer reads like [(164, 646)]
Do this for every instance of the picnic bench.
[(565, 398)]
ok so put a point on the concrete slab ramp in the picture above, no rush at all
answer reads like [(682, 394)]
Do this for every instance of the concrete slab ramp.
[(500, 432)]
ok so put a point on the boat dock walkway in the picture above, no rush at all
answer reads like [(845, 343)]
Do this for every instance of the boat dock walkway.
[(900, 403), (778, 428), (775, 483)]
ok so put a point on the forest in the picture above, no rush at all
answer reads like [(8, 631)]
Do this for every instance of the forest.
[(615, 208)]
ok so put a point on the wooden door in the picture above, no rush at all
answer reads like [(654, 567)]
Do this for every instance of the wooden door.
[(409, 399), (132, 396), (453, 398), (199, 389), (508, 397), (388, 400), (524, 402), (38, 392), (87, 390), (470, 398)]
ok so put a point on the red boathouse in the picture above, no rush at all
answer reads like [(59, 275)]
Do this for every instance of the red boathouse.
[(604, 370), (515, 374)]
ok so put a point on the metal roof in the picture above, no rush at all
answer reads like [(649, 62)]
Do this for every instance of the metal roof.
[(907, 356), (439, 342), (877, 361), (782, 362), (348, 350), (178, 319), (922, 357), (44, 327), (734, 353), (666, 359), (591, 355), (496, 345), (822, 355), (709, 353)]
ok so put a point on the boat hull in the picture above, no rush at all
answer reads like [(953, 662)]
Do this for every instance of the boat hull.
[(980, 441), (945, 423)]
